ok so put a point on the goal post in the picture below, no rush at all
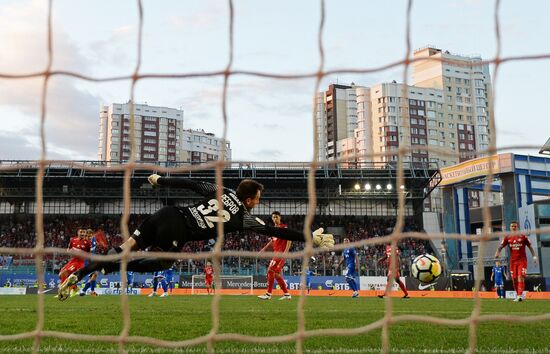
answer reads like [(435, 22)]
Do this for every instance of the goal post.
[(230, 284)]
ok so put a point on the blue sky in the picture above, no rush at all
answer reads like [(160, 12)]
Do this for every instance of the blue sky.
[(268, 120)]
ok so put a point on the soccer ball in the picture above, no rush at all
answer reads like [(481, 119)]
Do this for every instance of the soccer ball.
[(426, 268)]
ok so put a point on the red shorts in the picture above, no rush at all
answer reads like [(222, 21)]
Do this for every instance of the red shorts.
[(208, 281), (73, 265), (276, 265), (518, 268)]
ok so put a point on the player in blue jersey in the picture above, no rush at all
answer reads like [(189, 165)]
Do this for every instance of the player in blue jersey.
[(310, 273), (168, 281), (92, 277), (352, 262), (497, 275), (130, 278), (158, 278)]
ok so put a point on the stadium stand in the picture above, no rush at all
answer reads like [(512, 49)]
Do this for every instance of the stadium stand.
[(19, 232)]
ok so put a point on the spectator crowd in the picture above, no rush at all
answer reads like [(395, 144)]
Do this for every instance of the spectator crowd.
[(19, 231)]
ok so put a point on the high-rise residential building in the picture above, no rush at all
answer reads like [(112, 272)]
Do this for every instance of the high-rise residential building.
[(412, 117), (442, 118), (467, 88), (199, 146), (159, 136), (336, 114), (446, 108)]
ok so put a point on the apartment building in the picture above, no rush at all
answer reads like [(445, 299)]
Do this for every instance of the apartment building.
[(466, 84), (159, 136), (336, 116)]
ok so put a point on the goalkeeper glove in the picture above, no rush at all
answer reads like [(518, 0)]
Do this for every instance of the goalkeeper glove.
[(153, 179), (325, 241)]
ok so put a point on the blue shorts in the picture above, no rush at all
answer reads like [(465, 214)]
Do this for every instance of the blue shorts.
[(351, 273), (499, 283)]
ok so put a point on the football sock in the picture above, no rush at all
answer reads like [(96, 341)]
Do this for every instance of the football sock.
[(86, 286), (164, 286), (270, 281), (281, 283), (402, 286), (92, 285), (521, 286), (352, 283)]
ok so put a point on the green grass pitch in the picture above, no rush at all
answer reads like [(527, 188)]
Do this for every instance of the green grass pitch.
[(184, 317)]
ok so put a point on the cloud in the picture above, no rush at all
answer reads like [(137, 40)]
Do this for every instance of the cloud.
[(117, 52), (267, 154), (205, 17), (15, 147), (72, 114)]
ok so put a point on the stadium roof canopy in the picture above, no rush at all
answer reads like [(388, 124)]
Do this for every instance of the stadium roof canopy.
[(285, 180)]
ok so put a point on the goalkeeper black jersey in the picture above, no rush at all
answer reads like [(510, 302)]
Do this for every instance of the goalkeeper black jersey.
[(202, 218)]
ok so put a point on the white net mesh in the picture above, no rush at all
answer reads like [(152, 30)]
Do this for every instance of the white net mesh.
[(301, 333)]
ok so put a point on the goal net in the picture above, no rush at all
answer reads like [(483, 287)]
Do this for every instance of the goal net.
[(46, 101), (230, 285)]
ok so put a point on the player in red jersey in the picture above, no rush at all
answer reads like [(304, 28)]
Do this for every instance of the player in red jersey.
[(396, 275), (208, 276), (518, 257), (82, 243), (276, 265)]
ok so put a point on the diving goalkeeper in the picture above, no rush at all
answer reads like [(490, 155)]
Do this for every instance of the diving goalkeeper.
[(171, 227)]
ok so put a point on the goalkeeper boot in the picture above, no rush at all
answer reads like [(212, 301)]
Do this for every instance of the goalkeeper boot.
[(286, 297), (74, 291), (64, 291), (266, 296)]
